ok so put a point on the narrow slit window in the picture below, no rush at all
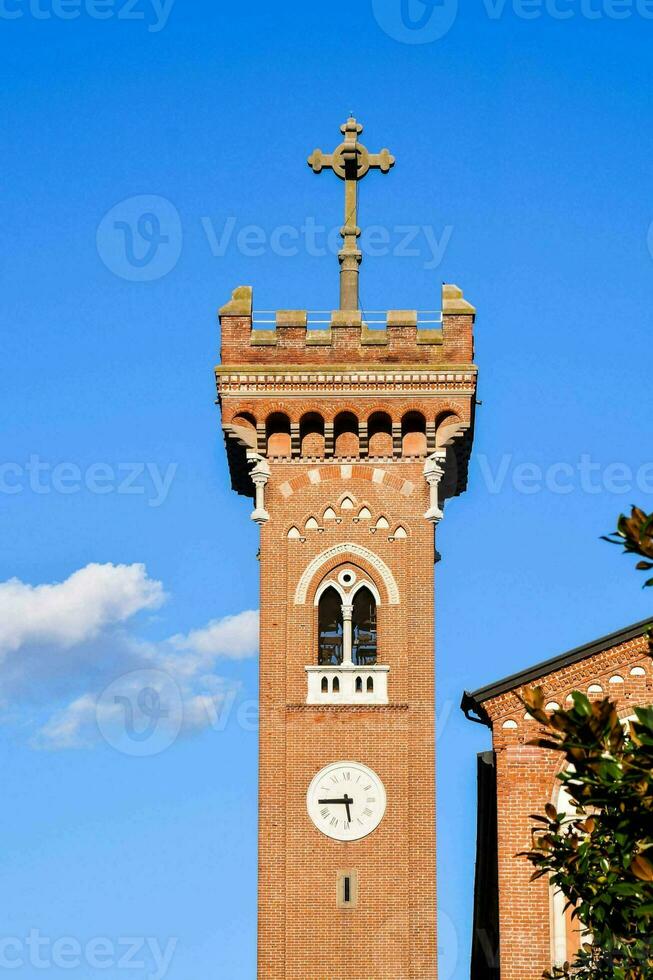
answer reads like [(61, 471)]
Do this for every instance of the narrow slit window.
[(347, 889)]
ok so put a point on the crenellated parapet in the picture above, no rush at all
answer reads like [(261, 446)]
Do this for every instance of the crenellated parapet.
[(345, 337)]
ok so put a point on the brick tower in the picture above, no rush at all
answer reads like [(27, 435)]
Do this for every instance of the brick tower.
[(349, 439)]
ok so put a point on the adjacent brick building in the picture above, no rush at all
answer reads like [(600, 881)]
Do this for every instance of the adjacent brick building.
[(520, 927), (349, 439)]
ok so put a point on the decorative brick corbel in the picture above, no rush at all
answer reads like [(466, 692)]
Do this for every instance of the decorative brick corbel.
[(433, 473), (260, 475)]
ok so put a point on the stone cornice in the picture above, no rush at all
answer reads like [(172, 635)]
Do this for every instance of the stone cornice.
[(396, 384), (331, 369), (336, 392)]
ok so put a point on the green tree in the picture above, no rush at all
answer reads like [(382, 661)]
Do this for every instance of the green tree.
[(601, 857)]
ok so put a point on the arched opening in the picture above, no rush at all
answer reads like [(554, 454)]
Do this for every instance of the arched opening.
[(447, 425), (413, 434), (244, 428), (277, 430), (345, 432), (379, 434), (311, 434), (325, 685), (370, 685), (330, 628), (359, 685), (363, 623), (336, 685)]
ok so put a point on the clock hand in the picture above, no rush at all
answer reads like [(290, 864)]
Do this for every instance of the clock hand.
[(346, 802)]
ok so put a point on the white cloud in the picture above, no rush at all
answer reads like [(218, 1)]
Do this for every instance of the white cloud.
[(68, 613), (63, 646), (67, 727), (233, 638)]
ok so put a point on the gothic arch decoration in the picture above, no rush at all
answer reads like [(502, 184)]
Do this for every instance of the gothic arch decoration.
[(345, 595), (347, 548)]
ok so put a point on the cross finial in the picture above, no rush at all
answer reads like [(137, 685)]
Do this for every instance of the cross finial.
[(350, 161)]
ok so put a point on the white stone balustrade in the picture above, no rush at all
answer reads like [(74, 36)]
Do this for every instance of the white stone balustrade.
[(347, 684)]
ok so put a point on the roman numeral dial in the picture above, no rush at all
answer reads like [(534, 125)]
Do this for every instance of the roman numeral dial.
[(346, 801)]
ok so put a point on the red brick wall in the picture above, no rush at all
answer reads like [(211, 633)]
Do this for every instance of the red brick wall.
[(391, 934), (526, 781)]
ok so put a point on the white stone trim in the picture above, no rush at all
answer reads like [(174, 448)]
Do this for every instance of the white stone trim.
[(347, 674), (346, 596), (348, 548)]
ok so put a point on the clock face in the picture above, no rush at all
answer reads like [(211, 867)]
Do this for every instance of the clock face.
[(346, 801)]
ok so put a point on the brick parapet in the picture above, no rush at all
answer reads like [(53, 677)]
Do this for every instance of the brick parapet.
[(347, 339)]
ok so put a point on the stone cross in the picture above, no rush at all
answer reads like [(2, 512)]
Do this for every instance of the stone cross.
[(350, 161)]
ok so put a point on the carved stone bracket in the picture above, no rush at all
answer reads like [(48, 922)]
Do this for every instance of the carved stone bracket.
[(433, 473), (260, 475)]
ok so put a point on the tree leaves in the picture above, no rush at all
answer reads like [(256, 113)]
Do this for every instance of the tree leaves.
[(635, 533), (642, 868), (600, 856)]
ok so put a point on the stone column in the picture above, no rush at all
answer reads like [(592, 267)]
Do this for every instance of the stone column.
[(260, 476), (347, 610), (433, 473)]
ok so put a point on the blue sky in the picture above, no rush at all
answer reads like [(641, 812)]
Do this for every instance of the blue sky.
[(523, 143)]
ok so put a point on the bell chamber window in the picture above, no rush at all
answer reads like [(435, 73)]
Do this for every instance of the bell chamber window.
[(330, 627), (363, 623), (346, 669)]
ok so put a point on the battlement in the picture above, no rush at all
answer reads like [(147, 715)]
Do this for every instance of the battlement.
[(343, 337)]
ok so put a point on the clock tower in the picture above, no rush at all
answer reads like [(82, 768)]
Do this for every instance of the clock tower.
[(349, 431)]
